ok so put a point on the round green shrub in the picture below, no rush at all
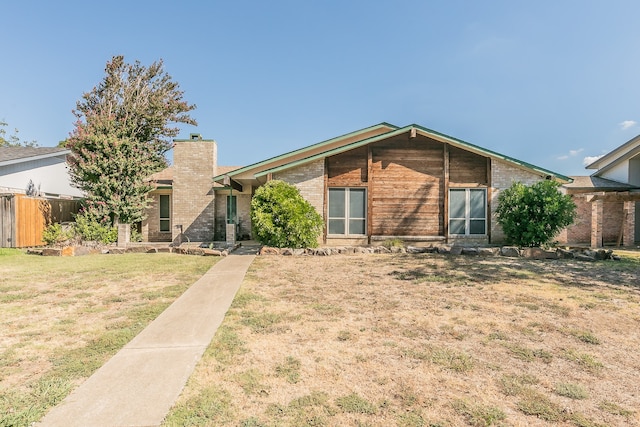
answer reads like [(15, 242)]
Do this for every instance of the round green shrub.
[(282, 218), (533, 215)]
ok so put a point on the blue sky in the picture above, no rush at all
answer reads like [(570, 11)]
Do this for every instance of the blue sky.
[(547, 82)]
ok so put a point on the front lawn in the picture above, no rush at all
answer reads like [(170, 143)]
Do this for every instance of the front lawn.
[(61, 318), (423, 340)]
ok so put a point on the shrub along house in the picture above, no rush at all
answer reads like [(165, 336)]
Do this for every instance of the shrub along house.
[(370, 185)]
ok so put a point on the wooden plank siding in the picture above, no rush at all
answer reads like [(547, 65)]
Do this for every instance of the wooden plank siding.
[(407, 179), (467, 169), (407, 187)]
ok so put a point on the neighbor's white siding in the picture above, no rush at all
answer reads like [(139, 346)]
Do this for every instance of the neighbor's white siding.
[(49, 175)]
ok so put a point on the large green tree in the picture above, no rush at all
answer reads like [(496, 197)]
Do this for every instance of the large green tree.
[(124, 128), (532, 215)]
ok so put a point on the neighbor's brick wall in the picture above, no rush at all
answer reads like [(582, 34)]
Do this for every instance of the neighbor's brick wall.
[(502, 176), (309, 179), (580, 231), (193, 197), (151, 225)]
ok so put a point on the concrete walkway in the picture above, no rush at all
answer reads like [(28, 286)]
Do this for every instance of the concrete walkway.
[(138, 385)]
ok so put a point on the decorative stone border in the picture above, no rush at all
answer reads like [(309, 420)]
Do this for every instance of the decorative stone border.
[(505, 251)]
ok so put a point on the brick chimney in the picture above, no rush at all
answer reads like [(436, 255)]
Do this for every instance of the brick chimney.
[(194, 166)]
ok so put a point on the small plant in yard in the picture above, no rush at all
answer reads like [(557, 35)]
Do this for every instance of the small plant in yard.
[(478, 415), (55, 234), (615, 409), (90, 229), (537, 404), (290, 370), (212, 406), (355, 404), (513, 385), (574, 391), (393, 243)]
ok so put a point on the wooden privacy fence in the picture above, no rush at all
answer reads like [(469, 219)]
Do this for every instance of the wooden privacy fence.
[(24, 218)]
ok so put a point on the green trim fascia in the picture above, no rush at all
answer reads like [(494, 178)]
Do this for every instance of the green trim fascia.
[(302, 150), (398, 131), (495, 154)]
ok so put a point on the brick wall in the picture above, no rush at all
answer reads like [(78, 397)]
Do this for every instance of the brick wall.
[(502, 176), (580, 231), (309, 179), (193, 196), (151, 226)]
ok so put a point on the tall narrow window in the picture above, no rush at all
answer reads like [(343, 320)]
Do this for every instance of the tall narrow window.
[(232, 210), (468, 211), (165, 213), (347, 211)]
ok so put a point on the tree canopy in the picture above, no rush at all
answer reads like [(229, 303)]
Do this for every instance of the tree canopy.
[(124, 128), (533, 215), (13, 140)]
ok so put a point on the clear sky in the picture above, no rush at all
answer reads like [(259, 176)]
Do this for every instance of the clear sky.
[(549, 82)]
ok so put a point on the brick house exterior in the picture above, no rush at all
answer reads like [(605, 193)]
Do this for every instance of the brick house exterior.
[(382, 182), (370, 185)]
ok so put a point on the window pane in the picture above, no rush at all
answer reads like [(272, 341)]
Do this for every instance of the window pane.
[(477, 226), (336, 226), (231, 209), (456, 226), (356, 203), (164, 206), (336, 203), (356, 226), (457, 201), (165, 225), (478, 204)]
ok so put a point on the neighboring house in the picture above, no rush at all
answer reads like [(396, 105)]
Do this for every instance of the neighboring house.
[(370, 185), (35, 190), (608, 199)]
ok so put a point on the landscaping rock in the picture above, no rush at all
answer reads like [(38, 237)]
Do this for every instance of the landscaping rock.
[(164, 249), (267, 250), (510, 251), (564, 254), (117, 251), (538, 253), (488, 251), (286, 251), (584, 257), (443, 250), (211, 252), (136, 249), (34, 251), (469, 251), (456, 250), (298, 252), (51, 252)]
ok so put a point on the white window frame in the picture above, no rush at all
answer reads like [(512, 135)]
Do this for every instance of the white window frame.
[(162, 219), (347, 215), (467, 212)]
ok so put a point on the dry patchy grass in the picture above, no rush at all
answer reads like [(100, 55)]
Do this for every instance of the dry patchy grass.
[(62, 318), (423, 340)]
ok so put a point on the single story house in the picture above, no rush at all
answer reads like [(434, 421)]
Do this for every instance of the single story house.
[(35, 190), (369, 185), (608, 200)]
